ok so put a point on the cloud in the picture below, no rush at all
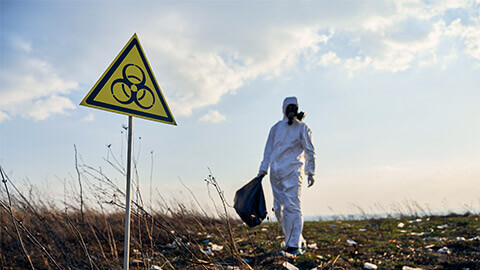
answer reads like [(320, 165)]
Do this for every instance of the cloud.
[(470, 35), (329, 59), (204, 72), (415, 35), (33, 89), (197, 58), (212, 116), (89, 118), (4, 116)]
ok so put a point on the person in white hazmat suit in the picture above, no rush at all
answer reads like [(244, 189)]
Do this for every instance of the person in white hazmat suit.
[(288, 143)]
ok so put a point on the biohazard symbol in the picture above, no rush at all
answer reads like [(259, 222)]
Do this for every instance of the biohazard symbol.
[(132, 88), (129, 87)]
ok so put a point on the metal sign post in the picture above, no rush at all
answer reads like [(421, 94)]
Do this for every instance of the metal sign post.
[(126, 253), (129, 87)]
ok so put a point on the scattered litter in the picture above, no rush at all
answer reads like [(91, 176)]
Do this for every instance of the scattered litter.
[(362, 230), (370, 266), (411, 268), (400, 225), (208, 252), (474, 238), (418, 220), (351, 242), (441, 227), (280, 237), (264, 229), (403, 231), (287, 254), (429, 248), (444, 250), (312, 246), (460, 239), (135, 252), (155, 267), (419, 233), (289, 266), (438, 239), (216, 247)]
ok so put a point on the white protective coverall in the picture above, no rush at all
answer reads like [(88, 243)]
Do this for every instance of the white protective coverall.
[(286, 146)]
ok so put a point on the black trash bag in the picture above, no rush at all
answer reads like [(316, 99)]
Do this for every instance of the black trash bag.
[(249, 202)]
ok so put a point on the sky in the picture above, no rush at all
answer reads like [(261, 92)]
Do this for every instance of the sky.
[(390, 89)]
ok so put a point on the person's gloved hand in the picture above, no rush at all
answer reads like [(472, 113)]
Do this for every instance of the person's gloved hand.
[(311, 180)]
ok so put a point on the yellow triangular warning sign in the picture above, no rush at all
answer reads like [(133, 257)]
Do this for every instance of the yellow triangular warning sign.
[(129, 87)]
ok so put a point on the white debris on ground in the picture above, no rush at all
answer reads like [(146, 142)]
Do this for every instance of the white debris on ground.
[(289, 266), (287, 254), (233, 268), (444, 250), (441, 227), (155, 267), (351, 242), (419, 233), (411, 268), (438, 239), (460, 239), (401, 225), (264, 229), (207, 252), (215, 247), (429, 248), (370, 266), (312, 246), (362, 230), (418, 220)]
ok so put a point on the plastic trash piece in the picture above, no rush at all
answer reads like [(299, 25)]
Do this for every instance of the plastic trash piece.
[(362, 230), (312, 246), (370, 266), (411, 268), (155, 267), (289, 266), (401, 225), (216, 247), (444, 250), (249, 202), (351, 242)]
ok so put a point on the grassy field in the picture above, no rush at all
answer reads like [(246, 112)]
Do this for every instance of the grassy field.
[(184, 240), (38, 233)]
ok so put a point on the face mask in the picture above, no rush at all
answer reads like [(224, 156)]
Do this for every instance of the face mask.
[(292, 111)]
